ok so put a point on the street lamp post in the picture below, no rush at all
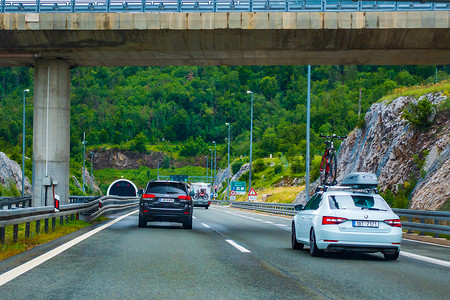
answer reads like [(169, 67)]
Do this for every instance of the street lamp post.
[(211, 160), (84, 155), (251, 142), (23, 144), (92, 174), (206, 168), (229, 171), (215, 163)]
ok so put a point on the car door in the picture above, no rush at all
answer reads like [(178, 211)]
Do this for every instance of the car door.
[(308, 215), (303, 215)]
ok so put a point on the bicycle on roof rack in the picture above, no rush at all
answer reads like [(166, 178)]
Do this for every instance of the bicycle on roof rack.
[(328, 166)]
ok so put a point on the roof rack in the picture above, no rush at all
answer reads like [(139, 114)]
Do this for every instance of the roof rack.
[(327, 188)]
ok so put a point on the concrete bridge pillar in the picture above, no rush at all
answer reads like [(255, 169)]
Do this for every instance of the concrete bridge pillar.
[(51, 131)]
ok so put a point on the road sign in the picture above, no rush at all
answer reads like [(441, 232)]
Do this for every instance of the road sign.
[(216, 187), (215, 195), (178, 177), (239, 187), (252, 198), (252, 192), (232, 193), (233, 198)]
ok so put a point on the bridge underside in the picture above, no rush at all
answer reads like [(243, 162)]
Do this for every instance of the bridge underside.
[(399, 38)]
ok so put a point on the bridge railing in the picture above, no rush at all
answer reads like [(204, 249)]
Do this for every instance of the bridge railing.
[(93, 209), (438, 221), (27, 6), (10, 202)]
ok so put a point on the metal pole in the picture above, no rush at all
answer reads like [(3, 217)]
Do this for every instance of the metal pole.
[(23, 144), (436, 75), (84, 154), (206, 168), (251, 142), (307, 133), (211, 160), (92, 174), (215, 173), (158, 171), (228, 173)]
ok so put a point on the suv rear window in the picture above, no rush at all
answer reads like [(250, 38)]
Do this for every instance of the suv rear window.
[(357, 202), (166, 188)]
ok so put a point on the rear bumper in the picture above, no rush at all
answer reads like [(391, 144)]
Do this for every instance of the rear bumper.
[(363, 248), (201, 203), (166, 215)]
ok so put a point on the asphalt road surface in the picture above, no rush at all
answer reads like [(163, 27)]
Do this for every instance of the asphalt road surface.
[(229, 254)]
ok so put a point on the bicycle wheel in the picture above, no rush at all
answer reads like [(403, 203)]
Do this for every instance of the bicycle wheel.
[(333, 169), (323, 170)]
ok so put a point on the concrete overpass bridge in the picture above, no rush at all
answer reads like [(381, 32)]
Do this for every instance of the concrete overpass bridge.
[(53, 42)]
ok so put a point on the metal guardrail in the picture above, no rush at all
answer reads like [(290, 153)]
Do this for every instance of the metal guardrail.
[(161, 6), (9, 202), (416, 219), (94, 208)]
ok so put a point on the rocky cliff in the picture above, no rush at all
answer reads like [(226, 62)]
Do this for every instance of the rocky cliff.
[(11, 173), (400, 154)]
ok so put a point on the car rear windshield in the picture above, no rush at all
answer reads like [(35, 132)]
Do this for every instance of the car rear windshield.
[(357, 202), (166, 188)]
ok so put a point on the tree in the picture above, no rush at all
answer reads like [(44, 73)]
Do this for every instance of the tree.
[(138, 143), (418, 114)]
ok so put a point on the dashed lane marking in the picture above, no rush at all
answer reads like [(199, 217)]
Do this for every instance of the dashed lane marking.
[(426, 259), (237, 246), (206, 225)]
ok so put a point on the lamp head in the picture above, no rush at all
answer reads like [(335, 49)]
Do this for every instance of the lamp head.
[(27, 90), (228, 124), (249, 92)]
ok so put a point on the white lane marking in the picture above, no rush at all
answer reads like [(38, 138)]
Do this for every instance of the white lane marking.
[(206, 225), (267, 222), (10, 275), (426, 243), (237, 246), (194, 217), (272, 216), (426, 259), (281, 225)]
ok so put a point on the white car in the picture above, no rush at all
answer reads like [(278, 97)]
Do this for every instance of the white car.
[(340, 218)]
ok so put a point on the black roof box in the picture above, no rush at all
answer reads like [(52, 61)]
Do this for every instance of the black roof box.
[(360, 180)]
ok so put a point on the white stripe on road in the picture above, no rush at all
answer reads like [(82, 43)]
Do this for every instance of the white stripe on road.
[(281, 225), (237, 246), (206, 225), (10, 275), (422, 242), (267, 222), (426, 259)]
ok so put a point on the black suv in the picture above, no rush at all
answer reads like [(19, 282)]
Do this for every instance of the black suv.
[(166, 201)]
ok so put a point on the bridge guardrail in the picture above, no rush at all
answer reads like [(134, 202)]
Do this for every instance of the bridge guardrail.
[(124, 6), (94, 208), (411, 215), (9, 202)]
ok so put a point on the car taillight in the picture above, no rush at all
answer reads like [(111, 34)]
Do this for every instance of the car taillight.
[(394, 222), (148, 196), (326, 220), (184, 197)]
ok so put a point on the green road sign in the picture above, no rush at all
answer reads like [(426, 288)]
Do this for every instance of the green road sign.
[(239, 187), (178, 177)]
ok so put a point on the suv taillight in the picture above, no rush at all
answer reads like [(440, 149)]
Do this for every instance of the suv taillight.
[(394, 222), (184, 197), (148, 196), (326, 220)]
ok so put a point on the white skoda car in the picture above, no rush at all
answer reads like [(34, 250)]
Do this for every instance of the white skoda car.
[(341, 218)]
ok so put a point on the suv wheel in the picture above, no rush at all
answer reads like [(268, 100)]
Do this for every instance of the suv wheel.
[(206, 207), (142, 222), (391, 255), (188, 224), (313, 246)]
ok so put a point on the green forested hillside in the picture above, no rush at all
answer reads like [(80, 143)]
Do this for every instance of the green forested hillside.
[(137, 106)]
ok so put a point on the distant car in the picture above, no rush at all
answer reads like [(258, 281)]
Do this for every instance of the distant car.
[(166, 201), (201, 194), (342, 218)]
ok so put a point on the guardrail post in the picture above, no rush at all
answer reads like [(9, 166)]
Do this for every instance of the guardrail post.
[(287, 5), (53, 224), (179, 5), (67, 219), (38, 226), (15, 233), (27, 229), (436, 222), (410, 220), (143, 5), (38, 6), (78, 216), (71, 217), (422, 221), (61, 220), (215, 5), (72, 4), (2, 6), (2, 235), (46, 226), (108, 8)]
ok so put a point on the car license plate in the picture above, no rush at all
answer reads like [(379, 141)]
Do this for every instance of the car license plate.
[(365, 223), (165, 200)]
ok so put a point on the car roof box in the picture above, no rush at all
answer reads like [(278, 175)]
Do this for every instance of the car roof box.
[(360, 180)]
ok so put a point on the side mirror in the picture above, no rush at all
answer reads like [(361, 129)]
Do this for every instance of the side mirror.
[(298, 207), (191, 193), (140, 192)]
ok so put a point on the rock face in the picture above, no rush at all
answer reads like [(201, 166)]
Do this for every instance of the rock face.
[(394, 150), (10, 172)]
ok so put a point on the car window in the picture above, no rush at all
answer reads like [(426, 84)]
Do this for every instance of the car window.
[(371, 202), (314, 202), (166, 188)]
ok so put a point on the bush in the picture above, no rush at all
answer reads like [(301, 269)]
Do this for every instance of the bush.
[(236, 166), (278, 169), (298, 166), (418, 114), (259, 166)]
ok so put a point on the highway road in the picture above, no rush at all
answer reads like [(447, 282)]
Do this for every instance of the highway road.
[(229, 254)]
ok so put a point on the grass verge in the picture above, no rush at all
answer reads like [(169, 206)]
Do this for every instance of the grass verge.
[(9, 248), (277, 194)]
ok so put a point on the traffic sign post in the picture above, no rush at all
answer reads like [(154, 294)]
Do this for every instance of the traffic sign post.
[(252, 195), (232, 195)]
